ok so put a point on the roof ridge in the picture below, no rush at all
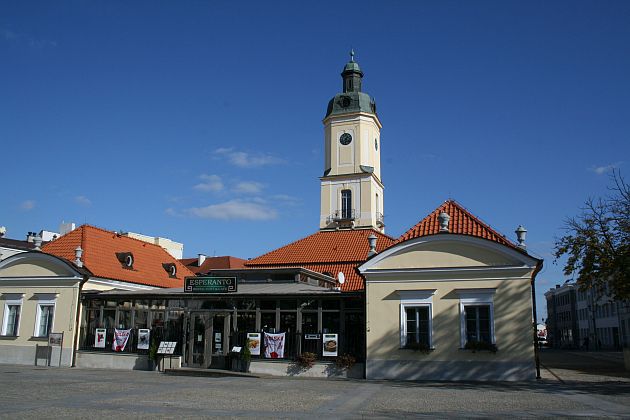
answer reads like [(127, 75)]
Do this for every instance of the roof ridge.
[(485, 224)]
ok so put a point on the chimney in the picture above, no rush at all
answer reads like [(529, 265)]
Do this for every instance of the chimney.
[(444, 218), (521, 232), (200, 259), (78, 253), (30, 237), (38, 242), (372, 241), (3, 231)]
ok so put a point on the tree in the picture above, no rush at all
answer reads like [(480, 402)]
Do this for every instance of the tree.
[(597, 242)]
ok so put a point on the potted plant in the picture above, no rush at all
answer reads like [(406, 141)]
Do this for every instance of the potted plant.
[(246, 357), (153, 357)]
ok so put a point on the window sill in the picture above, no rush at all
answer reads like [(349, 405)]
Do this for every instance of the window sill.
[(9, 337), (429, 350), (479, 350), (38, 339)]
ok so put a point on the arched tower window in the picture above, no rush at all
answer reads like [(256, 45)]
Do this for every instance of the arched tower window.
[(346, 204)]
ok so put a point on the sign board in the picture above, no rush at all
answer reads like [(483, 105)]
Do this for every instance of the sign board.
[(210, 284), (311, 336), (99, 338), (254, 343), (144, 336), (55, 339), (167, 347), (330, 345)]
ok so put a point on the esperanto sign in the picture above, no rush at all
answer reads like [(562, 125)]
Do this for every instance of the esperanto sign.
[(210, 284)]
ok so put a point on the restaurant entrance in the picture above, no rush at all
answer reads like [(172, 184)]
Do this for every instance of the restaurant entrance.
[(208, 339)]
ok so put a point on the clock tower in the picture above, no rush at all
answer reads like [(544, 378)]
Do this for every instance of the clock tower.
[(351, 187)]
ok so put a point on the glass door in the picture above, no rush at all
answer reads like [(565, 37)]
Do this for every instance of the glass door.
[(201, 330), (219, 340)]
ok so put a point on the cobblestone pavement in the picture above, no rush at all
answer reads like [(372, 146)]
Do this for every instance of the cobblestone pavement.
[(29, 392)]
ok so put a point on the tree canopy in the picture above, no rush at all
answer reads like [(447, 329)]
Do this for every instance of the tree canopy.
[(597, 242)]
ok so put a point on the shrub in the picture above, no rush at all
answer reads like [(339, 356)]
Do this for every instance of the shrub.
[(306, 360), (345, 361)]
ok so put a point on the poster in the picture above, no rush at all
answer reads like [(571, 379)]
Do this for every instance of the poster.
[(144, 339), (55, 339), (99, 338), (254, 343), (120, 339), (330, 345), (274, 346)]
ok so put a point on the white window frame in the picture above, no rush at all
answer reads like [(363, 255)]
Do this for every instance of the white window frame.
[(475, 297), (45, 300), (413, 299), (12, 300)]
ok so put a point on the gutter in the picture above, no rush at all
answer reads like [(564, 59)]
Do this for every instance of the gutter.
[(539, 266)]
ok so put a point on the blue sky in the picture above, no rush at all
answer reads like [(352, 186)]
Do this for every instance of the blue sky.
[(201, 121)]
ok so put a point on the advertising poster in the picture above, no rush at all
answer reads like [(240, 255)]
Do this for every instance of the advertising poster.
[(55, 339), (120, 339), (330, 345), (99, 338), (274, 346), (254, 343), (144, 339)]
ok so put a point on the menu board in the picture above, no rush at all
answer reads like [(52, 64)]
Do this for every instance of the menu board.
[(330, 344), (254, 343)]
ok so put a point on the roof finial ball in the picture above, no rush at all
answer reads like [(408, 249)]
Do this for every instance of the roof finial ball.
[(521, 232), (444, 218)]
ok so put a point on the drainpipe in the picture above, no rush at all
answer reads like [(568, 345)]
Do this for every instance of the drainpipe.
[(539, 266), (77, 321)]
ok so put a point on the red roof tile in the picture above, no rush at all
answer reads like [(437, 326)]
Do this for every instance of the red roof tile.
[(462, 222), (213, 263), (329, 251), (99, 256)]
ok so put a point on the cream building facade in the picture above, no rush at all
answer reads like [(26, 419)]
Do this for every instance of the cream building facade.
[(39, 295), (450, 305)]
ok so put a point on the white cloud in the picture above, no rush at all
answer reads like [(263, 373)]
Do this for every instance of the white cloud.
[(27, 205), (235, 210), (12, 36), (287, 199), (248, 160), (601, 170), (172, 212), (249, 187), (209, 183), (83, 200)]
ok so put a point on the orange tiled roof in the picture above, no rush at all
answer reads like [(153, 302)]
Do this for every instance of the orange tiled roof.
[(329, 251), (213, 263), (99, 256), (462, 222)]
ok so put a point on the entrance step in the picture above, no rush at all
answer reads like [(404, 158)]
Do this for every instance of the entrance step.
[(212, 373)]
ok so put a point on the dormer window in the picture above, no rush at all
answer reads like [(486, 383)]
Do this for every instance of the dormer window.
[(126, 259), (171, 269)]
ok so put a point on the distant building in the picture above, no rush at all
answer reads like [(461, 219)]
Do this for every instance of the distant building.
[(176, 249), (586, 319), (562, 323), (204, 264)]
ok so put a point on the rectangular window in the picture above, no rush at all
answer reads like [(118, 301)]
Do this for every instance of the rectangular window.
[(11, 324), (416, 324), (477, 316), (45, 319), (346, 204), (478, 323), (417, 319)]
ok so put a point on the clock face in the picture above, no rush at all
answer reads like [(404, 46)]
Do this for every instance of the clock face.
[(345, 139), (376, 144), (344, 101)]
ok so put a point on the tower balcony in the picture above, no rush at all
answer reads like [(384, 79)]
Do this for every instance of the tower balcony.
[(342, 216), (380, 220)]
